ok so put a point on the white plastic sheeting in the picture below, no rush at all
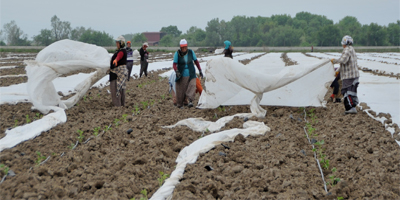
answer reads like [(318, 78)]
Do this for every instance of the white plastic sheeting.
[(31, 130), (189, 154), (63, 57), (231, 83)]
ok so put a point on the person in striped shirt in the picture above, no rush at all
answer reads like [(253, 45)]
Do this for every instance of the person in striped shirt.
[(349, 75)]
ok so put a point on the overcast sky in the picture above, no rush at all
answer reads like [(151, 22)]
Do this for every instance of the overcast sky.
[(133, 16)]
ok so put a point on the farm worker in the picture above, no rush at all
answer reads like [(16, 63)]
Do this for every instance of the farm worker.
[(129, 59), (144, 55), (228, 49), (118, 73), (335, 97), (349, 75), (184, 60)]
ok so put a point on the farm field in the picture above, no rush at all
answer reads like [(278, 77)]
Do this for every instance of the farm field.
[(129, 149)]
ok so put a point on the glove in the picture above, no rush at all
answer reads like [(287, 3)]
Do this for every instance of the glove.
[(178, 74), (115, 62), (332, 60), (201, 74)]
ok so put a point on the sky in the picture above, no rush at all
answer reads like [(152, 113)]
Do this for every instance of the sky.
[(133, 16)]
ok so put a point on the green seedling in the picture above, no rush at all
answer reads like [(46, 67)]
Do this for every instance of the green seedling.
[(162, 178), (53, 154), (4, 169), (106, 128), (96, 131), (37, 116), (15, 123), (71, 146), (116, 122), (39, 158), (84, 98), (140, 85), (340, 198), (124, 117), (98, 95), (145, 104), (144, 192), (334, 180), (151, 102), (136, 111), (163, 96), (27, 119), (81, 136), (221, 108)]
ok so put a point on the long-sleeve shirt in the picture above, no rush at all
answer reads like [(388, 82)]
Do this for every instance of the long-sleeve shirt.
[(348, 63)]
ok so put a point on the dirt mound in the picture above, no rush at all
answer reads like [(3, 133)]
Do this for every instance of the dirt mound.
[(127, 159)]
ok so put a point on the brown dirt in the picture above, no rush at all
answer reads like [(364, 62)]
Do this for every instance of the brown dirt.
[(12, 81), (118, 165), (287, 60)]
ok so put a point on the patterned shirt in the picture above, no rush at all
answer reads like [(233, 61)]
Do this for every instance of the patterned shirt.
[(348, 63)]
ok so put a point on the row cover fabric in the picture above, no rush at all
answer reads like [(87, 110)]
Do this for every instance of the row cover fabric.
[(33, 129), (59, 58), (228, 82), (189, 154)]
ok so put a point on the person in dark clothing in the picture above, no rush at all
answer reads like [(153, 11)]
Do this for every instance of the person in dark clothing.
[(228, 49), (129, 59), (185, 83), (118, 73), (335, 97), (144, 55)]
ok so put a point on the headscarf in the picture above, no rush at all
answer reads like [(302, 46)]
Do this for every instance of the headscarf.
[(347, 40), (227, 44)]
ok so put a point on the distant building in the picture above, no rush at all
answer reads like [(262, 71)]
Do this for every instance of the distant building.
[(153, 38)]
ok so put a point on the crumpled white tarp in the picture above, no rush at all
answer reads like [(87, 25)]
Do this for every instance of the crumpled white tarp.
[(31, 130), (59, 58), (189, 154), (229, 82), (200, 125)]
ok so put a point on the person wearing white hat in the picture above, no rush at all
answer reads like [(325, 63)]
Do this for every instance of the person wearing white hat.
[(349, 75), (144, 55), (118, 73), (185, 83)]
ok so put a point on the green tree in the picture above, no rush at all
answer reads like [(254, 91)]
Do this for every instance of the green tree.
[(14, 35), (329, 36), (171, 30), (97, 37), (138, 39), (349, 26), (284, 36), (77, 32), (44, 38), (393, 31), (60, 29), (376, 35), (167, 41), (213, 37)]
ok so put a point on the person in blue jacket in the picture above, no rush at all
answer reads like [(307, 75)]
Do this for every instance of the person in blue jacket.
[(185, 83)]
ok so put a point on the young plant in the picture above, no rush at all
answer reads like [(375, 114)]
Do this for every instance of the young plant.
[(145, 104), (151, 102), (124, 117), (84, 98), (116, 122), (15, 123), (96, 131), (162, 178), (4, 169), (38, 116), (144, 192), (163, 96), (81, 136), (221, 108), (27, 119), (136, 111), (71, 146), (106, 128), (39, 158)]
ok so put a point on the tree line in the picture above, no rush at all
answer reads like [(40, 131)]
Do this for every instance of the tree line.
[(304, 29)]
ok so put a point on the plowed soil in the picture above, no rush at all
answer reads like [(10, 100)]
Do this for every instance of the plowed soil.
[(126, 159)]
